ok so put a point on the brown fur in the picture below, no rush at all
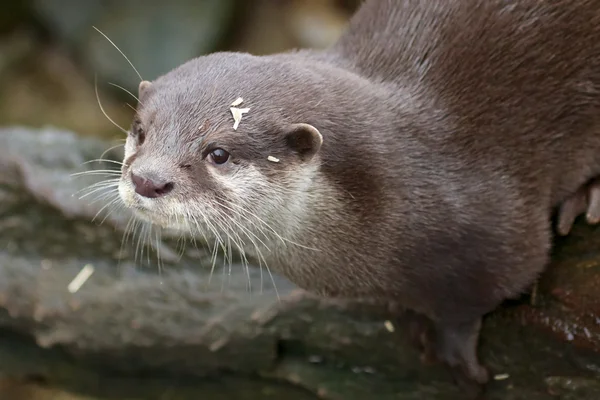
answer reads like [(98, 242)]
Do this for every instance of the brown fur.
[(451, 131)]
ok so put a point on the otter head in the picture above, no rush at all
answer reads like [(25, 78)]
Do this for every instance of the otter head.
[(186, 167)]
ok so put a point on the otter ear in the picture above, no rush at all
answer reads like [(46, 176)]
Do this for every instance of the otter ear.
[(304, 139), (143, 88)]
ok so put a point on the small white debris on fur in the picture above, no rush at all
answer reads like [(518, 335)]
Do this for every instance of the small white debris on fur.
[(81, 278), (273, 159), (501, 377), (237, 102), (389, 326), (237, 115)]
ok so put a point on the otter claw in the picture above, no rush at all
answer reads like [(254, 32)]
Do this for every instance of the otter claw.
[(593, 208), (585, 199)]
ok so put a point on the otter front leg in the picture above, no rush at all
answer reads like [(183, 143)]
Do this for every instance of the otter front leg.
[(454, 344), (585, 199)]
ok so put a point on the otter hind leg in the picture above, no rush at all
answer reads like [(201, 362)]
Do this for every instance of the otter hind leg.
[(585, 200)]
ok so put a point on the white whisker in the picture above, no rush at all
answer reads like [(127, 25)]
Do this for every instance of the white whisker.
[(101, 160), (109, 204), (126, 91), (111, 148), (104, 112), (158, 244), (119, 50)]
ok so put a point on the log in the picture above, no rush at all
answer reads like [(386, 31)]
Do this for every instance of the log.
[(154, 320)]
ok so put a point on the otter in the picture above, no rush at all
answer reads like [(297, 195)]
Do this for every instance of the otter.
[(418, 159)]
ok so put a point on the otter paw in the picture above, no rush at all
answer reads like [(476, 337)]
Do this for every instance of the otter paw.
[(585, 199), (456, 345), (593, 206)]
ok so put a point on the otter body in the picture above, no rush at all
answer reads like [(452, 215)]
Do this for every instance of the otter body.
[(420, 158)]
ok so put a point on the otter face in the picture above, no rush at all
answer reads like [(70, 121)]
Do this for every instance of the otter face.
[(187, 168)]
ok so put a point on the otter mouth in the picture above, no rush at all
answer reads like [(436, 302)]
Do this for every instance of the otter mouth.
[(148, 212), (153, 211), (155, 217)]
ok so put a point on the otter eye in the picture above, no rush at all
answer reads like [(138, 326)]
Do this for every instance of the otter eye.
[(138, 132), (219, 156), (141, 135)]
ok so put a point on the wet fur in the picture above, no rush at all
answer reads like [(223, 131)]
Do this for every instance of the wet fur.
[(452, 129)]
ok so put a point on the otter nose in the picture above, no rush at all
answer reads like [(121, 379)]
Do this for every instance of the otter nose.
[(151, 188)]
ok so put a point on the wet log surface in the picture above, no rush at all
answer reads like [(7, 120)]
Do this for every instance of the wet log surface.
[(138, 331)]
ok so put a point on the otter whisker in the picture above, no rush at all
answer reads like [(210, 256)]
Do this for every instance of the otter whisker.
[(214, 261), (110, 180), (249, 234), (158, 244), (104, 196), (108, 214), (240, 214), (86, 191), (257, 249), (110, 203), (119, 50), (143, 242), (139, 250), (126, 91), (148, 240), (104, 112), (226, 247), (144, 238), (241, 226), (240, 245), (129, 228), (228, 258), (98, 190), (261, 259), (266, 225), (101, 186), (218, 241), (113, 180), (226, 221), (261, 278), (201, 231), (105, 160), (126, 233), (112, 148), (101, 160), (210, 225), (181, 239), (106, 172)]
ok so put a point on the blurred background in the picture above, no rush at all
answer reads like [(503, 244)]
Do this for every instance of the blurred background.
[(50, 55)]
